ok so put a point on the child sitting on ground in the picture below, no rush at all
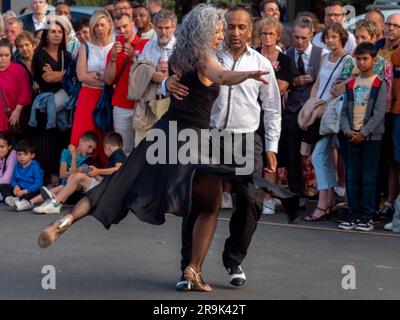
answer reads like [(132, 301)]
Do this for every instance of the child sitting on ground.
[(71, 159), (86, 181), (27, 178), (8, 159)]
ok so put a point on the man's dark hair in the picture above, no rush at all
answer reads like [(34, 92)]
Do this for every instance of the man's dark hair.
[(25, 146), (81, 23), (376, 11), (225, 5), (263, 3), (241, 7), (366, 48), (118, 1), (119, 16), (5, 43), (90, 135), (114, 139), (140, 6), (334, 4)]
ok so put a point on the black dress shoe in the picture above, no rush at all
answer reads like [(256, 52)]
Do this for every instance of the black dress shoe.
[(183, 285), (236, 276), (292, 209)]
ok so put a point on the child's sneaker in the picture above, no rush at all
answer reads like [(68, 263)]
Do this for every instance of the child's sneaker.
[(346, 225), (364, 226), (23, 205), (226, 202), (49, 207), (268, 206), (10, 201), (388, 226), (46, 193)]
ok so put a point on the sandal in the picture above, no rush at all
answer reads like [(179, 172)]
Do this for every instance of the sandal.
[(313, 218)]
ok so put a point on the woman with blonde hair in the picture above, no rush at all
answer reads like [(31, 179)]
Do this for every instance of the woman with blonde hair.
[(90, 72)]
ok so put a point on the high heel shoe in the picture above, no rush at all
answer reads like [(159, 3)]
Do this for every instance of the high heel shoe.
[(195, 282), (312, 217), (51, 233)]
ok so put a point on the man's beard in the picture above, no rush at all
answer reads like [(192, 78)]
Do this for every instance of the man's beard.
[(163, 41)]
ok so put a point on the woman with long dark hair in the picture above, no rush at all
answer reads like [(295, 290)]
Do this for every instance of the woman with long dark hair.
[(49, 63)]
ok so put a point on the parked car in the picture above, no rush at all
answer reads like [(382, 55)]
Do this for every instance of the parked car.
[(76, 13)]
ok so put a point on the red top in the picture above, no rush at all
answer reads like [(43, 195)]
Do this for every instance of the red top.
[(15, 85), (121, 89)]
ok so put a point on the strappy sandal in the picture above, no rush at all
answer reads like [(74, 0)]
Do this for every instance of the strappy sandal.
[(313, 218)]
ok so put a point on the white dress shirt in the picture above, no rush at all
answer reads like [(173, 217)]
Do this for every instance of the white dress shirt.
[(244, 108), (39, 25), (306, 56), (152, 51), (349, 47)]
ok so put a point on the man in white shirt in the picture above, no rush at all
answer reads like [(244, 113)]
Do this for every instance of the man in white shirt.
[(38, 20), (237, 111), (334, 13)]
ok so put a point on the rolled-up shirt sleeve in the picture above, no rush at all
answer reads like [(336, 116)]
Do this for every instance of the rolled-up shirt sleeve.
[(271, 104)]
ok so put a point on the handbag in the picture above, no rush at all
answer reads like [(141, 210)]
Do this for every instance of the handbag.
[(330, 120), (102, 114), (20, 128), (312, 133)]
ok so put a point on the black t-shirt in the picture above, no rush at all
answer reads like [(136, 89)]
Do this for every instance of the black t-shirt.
[(283, 71), (118, 156), (41, 58)]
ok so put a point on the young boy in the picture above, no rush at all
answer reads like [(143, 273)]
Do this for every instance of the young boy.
[(71, 160), (362, 121), (113, 149), (27, 178)]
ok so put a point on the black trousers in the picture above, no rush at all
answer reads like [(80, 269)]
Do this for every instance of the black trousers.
[(243, 222), (7, 190), (289, 151)]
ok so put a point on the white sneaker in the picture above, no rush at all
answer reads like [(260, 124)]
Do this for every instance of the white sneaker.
[(388, 226), (48, 207), (226, 202), (10, 201), (46, 193), (269, 206), (23, 205), (364, 227)]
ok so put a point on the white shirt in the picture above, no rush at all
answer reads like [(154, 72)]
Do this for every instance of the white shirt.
[(349, 47), (152, 34), (152, 51), (244, 110), (97, 57), (306, 55), (39, 24)]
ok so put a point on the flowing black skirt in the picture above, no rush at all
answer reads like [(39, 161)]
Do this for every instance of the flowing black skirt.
[(150, 190)]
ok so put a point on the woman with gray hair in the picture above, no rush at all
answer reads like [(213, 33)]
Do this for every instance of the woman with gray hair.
[(152, 188)]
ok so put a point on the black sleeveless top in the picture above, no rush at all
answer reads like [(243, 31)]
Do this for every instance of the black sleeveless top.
[(195, 109)]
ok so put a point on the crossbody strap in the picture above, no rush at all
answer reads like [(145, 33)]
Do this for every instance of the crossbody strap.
[(6, 107), (330, 77)]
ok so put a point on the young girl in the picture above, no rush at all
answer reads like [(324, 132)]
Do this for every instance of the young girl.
[(8, 159)]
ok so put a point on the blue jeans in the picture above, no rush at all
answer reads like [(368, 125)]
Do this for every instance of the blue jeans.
[(362, 175), (322, 161), (396, 137)]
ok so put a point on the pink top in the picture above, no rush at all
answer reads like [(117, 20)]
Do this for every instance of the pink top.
[(5, 177), (15, 85)]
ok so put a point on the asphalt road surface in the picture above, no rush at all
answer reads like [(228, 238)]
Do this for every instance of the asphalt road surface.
[(139, 261)]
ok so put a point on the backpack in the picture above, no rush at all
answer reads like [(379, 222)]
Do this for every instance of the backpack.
[(71, 83)]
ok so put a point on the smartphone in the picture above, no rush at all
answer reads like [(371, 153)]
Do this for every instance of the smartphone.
[(120, 38)]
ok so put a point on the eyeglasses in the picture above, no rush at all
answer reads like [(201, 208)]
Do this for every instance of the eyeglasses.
[(268, 34), (389, 25)]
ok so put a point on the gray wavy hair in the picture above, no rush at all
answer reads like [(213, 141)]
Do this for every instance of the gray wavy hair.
[(193, 41)]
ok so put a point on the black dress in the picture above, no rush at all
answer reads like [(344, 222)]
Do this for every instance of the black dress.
[(151, 190)]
